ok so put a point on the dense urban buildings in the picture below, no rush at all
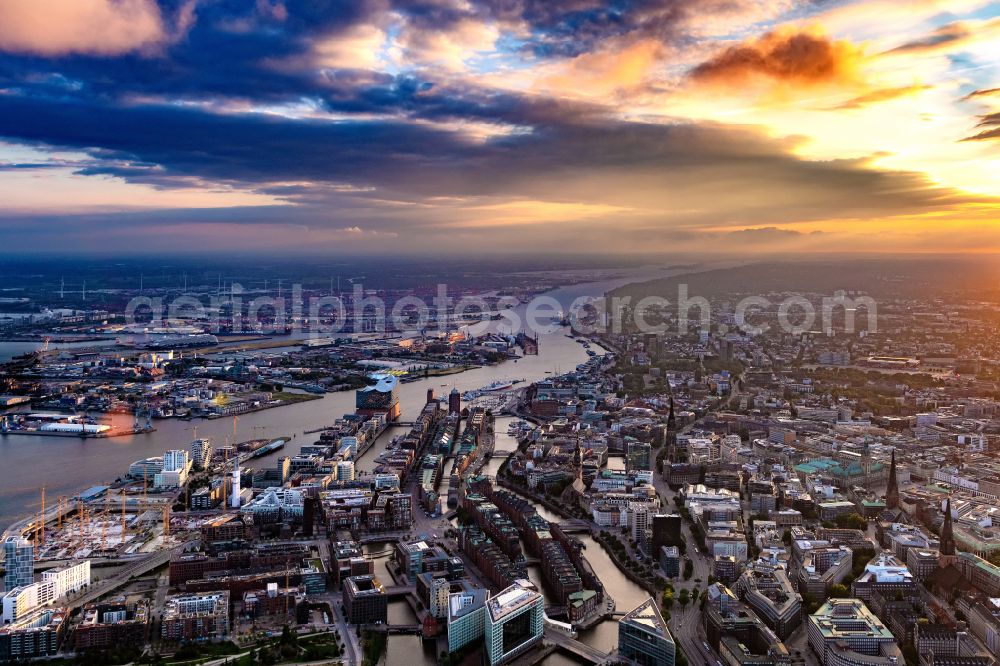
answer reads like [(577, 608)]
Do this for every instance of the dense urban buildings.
[(771, 513)]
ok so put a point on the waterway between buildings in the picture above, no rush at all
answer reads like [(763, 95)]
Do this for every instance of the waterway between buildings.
[(65, 466)]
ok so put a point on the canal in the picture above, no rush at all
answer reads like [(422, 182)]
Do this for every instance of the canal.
[(627, 594)]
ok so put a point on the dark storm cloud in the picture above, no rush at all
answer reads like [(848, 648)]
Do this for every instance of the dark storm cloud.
[(572, 27), (178, 119), (231, 50), (635, 162), (252, 51)]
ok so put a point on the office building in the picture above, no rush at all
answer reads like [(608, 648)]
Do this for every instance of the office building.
[(176, 467), (189, 617), (418, 557), (112, 623), (345, 471), (273, 600), (201, 453), (365, 601), (146, 469), (640, 524), (438, 598), (513, 622), (25, 600), (843, 632), (768, 591), (68, 579), (235, 496), (36, 635), (666, 528), (19, 562), (886, 573), (466, 618), (643, 637), (670, 561), (725, 568), (638, 457), (921, 562)]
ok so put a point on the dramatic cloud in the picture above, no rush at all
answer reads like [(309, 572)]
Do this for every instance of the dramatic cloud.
[(98, 27), (791, 56), (441, 124)]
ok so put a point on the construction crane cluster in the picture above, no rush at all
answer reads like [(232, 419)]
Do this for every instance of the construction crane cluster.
[(76, 521)]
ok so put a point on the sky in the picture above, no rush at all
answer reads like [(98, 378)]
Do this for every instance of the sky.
[(745, 127)]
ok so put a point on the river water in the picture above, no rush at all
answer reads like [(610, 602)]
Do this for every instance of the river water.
[(66, 465)]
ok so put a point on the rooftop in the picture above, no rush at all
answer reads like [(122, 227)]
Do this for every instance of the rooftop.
[(522, 593), (461, 604), (848, 618), (365, 585), (647, 616)]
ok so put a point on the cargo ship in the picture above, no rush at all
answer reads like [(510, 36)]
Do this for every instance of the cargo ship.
[(495, 387)]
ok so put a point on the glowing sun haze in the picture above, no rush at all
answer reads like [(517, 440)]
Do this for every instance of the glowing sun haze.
[(739, 126)]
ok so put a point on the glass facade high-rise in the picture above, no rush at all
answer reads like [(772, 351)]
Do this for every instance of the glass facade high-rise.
[(19, 562), (643, 637), (514, 621)]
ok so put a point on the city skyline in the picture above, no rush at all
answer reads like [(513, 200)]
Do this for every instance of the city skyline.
[(737, 127)]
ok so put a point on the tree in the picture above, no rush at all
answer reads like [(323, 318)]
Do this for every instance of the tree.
[(852, 521), (683, 598), (838, 591)]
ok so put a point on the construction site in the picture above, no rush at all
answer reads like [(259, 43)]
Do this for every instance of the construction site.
[(102, 523)]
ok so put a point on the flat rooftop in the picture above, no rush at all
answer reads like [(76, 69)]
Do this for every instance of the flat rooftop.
[(515, 597)]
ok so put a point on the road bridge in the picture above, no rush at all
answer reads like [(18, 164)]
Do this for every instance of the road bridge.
[(575, 526), (399, 590), (395, 628), (582, 650)]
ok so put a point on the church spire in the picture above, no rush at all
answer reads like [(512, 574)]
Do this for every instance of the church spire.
[(577, 456), (892, 490), (671, 434), (946, 549)]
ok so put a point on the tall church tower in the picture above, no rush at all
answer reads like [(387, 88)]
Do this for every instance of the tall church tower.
[(577, 459), (946, 550), (671, 434), (892, 490)]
